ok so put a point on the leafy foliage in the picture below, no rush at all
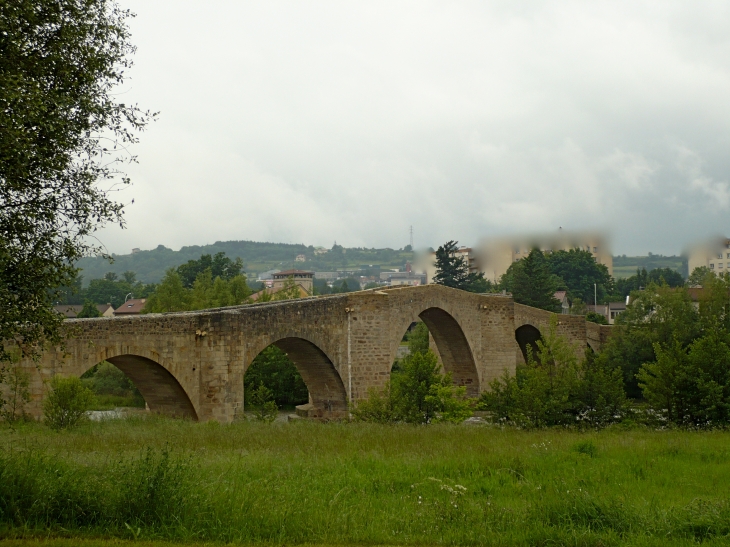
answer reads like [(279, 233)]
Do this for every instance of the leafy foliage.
[(151, 265), (109, 289), (699, 275), (554, 387), (690, 385), (687, 380), (262, 401), (104, 379), (594, 317), (658, 314), (579, 272), (66, 403), (206, 292), (643, 278), (417, 394), (531, 282), (274, 370), (64, 133), (89, 310), (452, 270), (418, 338), (18, 394), (219, 265)]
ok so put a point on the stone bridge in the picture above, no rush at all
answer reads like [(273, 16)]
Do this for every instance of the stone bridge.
[(192, 364)]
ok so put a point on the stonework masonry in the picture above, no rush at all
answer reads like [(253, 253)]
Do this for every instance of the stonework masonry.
[(192, 364)]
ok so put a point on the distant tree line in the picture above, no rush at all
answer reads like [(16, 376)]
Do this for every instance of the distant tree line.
[(152, 265), (535, 279)]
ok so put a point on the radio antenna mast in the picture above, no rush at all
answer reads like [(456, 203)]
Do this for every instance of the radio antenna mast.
[(411, 237)]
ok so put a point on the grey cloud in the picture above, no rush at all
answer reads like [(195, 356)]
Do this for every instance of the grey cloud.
[(311, 122)]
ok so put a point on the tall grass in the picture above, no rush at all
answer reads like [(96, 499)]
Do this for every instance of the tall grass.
[(365, 484)]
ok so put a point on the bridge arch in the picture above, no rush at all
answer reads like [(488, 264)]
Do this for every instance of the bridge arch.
[(327, 393), (453, 347), (161, 390), (527, 336)]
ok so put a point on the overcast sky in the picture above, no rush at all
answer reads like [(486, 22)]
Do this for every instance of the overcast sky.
[(309, 122)]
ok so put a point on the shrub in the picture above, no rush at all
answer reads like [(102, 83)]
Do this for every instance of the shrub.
[(262, 400), (18, 393), (555, 388), (377, 408), (66, 403), (417, 394), (273, 368), (690, 386), (594, 317)]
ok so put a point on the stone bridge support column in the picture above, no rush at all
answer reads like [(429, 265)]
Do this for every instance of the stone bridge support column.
[(218, 362), (498, 346)]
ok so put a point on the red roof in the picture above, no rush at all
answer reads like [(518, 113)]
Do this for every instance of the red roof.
[(133, 306)]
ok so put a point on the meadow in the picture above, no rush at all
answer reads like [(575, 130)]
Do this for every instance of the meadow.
[(150, 480)]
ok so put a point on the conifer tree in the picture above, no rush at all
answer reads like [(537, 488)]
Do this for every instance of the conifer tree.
[(532, 283), (452, 270)]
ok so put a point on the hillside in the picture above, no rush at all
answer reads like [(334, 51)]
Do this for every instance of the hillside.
[(257, 257), (626, 266)]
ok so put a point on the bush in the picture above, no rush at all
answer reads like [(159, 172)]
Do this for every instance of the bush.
[(273, 368), (594, 317), (262, 400), (417, 394), (18, 393), (690, 386), (555, 388), (66, 403)]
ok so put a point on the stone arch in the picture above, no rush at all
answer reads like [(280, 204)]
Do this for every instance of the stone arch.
[(162, 392), (453, 347), (527, 336), (327, 393)]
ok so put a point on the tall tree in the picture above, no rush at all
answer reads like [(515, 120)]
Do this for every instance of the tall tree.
[(580, 272), (219, 265), (698, 276), (452, 270), (89, 310), (64, 133), (532, 283)]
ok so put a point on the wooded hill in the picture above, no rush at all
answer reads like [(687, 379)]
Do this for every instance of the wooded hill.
[(257, 257)]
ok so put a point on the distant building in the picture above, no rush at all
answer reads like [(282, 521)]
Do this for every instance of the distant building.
[(713, 254), (135, 250), (133, 306), (320, 251), (327, 276), (269, 274), (395, 279), (300, 258), (495, 255), (614, 309), (562, 297), (610, 311), (72, 311), (273, 290), (300, 277)]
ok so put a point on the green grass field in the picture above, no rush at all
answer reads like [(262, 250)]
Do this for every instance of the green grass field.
[(352, 484)]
